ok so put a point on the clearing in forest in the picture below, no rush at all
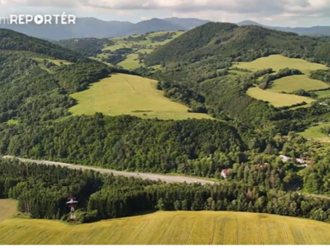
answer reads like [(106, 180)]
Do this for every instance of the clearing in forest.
[(297, 82), (277, 99), (172, 228), (122, 94), (277, 62), (314, 132)]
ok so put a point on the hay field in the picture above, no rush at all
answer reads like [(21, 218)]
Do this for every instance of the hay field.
[(277, 99), (297, 82), (8, 208), (130, 95), (277, 62), (227, 228)]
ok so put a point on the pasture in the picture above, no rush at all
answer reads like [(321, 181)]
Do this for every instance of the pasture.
[(277, 99), (142, 46), (313, 132), (176, 228), (277, 62), (8, 208), (297, 82), (123, 94)]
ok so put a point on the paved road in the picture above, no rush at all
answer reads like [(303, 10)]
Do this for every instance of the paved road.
[(150, 176)]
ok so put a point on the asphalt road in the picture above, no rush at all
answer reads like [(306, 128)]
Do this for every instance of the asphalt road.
[(150, 176)]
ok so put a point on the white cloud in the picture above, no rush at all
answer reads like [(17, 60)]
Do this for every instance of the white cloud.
[(208, 9)]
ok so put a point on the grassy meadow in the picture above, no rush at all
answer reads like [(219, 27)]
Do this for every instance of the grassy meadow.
[(144, 46), (286, 84), (228, 228), (277, 62), (297, 82), (313, 132), (130, 95), (277, 99)]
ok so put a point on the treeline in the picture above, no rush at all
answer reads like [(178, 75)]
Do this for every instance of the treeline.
[(42, 192), (11, 40), (194, 147), (32, 93), (323, 75), (267, 81), (88, 47)]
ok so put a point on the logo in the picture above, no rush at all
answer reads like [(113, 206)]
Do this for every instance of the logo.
[(39, 19)]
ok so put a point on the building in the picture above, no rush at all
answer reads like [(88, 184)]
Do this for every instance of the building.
[(225, 173)]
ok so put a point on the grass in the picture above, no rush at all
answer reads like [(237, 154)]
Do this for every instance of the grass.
[(287, 84), (323, 94), (277, 62), (130, 95), (145, 46), (12, 122), (297, 82), (277, 99), (131, 62), (8, 208), (177, 228), (313, 132)]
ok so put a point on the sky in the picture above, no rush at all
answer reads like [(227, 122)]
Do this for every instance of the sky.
[(288, 13)]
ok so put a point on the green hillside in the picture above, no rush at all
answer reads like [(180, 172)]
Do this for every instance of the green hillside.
[(127, 52), (222, 62)]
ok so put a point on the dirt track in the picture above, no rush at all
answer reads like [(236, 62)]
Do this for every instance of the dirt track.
[(155, 177)]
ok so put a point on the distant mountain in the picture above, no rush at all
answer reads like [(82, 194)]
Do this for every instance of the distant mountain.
[(312, 31), (95, 28), (186, 23)]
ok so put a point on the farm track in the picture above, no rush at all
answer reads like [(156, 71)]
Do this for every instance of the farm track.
[(150, 176)]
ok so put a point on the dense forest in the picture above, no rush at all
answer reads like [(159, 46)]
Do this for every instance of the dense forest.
[(42, 191)]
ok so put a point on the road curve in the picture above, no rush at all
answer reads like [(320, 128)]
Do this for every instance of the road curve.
[(150, 176)]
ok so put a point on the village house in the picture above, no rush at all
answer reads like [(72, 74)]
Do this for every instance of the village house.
[(225, 172)]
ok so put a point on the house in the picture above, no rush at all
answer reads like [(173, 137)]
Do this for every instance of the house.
[(225, 172)]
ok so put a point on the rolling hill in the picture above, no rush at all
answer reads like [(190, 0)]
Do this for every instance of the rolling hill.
[(207, 59), (311, 31), (95, 28), (175, 228)]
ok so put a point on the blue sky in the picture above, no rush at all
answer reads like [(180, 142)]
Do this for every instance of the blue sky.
[(291, 13)]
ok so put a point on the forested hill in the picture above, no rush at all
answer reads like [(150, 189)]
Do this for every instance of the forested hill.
[(202, 61), (36, 78), (231, 42), (11, 40)]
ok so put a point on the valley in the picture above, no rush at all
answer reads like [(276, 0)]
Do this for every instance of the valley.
[(221, 128)]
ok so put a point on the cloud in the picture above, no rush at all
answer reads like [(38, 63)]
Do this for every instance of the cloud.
[(262, 8)]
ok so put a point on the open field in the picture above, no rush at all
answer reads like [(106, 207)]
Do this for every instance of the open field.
[(131, 62), (277, 62), (277, 99), (171, 228), (314, 133), (297, 82), (322, 94), (143, 46), (130, 95), (8, 208)]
